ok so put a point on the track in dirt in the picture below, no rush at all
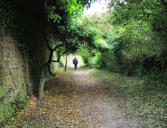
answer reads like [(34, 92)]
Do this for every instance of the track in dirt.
[(77, 101)]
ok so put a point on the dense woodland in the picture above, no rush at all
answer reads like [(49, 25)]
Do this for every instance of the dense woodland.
[(130, 39)]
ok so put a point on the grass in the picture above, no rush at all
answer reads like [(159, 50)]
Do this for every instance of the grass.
[(61, 70), (149, 98)]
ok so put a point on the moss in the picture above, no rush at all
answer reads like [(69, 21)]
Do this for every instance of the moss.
[(13, 105), (7, 109), (10, 112), (23, 95), (2, 91), (1, 84), (21, 100), (1, 112)]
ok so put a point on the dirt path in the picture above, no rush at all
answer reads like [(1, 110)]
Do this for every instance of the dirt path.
[(76, 101), (99, 105)]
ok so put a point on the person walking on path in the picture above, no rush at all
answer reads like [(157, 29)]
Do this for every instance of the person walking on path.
[(75, 62)]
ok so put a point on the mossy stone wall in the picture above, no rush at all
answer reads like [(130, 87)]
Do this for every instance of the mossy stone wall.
[(14, 76)]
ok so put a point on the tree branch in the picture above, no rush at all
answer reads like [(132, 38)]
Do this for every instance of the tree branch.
[(49, 70), (59, 45), (55, 61), (58, 59)]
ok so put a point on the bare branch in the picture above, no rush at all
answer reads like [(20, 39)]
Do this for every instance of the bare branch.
[(55, 61), (58, 59), (49, 70)]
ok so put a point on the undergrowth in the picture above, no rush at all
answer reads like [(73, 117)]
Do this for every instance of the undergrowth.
[(149, 98)]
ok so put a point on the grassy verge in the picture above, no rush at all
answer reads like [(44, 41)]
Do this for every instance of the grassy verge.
[(61, 70), (149, 98)]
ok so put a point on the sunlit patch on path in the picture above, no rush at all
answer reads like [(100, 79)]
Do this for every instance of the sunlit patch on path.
[(75, 101)]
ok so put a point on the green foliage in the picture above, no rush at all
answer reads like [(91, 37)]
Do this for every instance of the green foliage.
[(52, 15), (20, 101), (96, 60), (27, 126), (85, 54), (140, 45), (131, 38), (110, 62)]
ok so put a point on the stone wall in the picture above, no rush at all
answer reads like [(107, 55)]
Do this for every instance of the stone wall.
[(14, 76)]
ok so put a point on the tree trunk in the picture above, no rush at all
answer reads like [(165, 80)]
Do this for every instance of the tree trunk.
[(65, 68), (41, 85), (43, 79)]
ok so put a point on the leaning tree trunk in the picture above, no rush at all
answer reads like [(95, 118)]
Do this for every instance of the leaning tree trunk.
[(44, 75), (43, 79), (41, 85)]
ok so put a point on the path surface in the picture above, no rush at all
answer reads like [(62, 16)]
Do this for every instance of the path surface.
[(77, 101)]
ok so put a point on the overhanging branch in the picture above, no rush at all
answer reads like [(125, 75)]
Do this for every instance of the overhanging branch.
[(59, 45), (58, 59)]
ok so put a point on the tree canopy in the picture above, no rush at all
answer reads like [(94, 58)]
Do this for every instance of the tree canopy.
[(129, 38)]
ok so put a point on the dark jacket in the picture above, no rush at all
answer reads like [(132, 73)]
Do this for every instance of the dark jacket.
[(75, 61)]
